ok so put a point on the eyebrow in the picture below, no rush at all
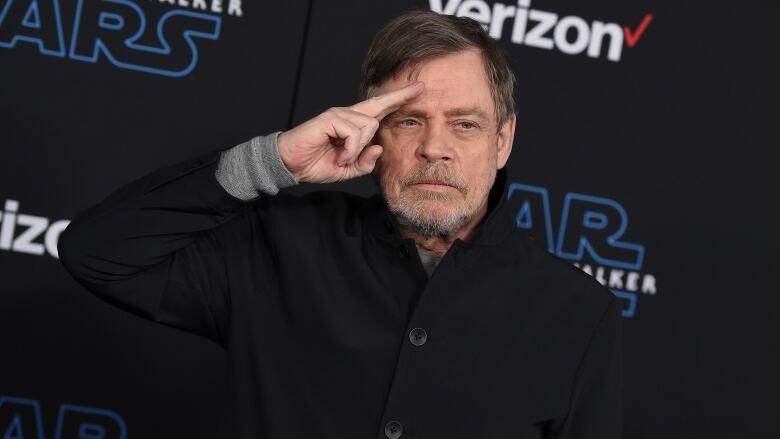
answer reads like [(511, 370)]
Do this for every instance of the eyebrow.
[(469, 111), (453, 112), (397, 114)]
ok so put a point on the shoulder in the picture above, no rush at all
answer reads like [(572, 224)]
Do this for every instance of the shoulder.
[(556, 277)]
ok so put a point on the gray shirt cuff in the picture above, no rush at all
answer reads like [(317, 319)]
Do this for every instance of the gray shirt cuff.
[(253, 168)]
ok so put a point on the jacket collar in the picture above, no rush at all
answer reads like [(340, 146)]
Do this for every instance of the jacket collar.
[(496, 225)]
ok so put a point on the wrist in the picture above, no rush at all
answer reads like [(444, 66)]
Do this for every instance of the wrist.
[(282, 148)]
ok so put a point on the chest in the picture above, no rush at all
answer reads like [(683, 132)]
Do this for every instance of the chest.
[(480, 336)]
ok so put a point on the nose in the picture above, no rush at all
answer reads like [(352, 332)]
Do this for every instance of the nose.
[(434, 145)]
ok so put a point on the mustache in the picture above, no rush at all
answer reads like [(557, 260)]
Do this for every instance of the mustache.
[(434, 174)]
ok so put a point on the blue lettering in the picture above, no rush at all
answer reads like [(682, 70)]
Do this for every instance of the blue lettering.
[(20, 418), (32, 18), (33, 21), (588, 224), (112, 30), (89, 423), (595, 225), (113, 27), (629, 299), (534, 212)]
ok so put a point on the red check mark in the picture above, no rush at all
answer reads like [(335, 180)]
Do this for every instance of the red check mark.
[(632, 37)]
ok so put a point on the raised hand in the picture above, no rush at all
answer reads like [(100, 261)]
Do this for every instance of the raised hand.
[(332, 146)]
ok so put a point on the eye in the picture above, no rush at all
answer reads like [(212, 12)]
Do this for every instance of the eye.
[(466, 125), (409, 123)]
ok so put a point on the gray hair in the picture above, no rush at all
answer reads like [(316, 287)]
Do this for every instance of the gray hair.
[(412, 38)]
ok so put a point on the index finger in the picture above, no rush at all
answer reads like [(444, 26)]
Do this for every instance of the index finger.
[(384, 104)]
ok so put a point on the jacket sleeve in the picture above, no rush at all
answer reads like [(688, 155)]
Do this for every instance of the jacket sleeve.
[(596, 405), (152, 246)]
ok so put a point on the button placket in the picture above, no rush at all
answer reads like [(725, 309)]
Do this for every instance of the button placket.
[(397, 400)]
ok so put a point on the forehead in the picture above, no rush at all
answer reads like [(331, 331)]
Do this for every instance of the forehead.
[(455, 80)]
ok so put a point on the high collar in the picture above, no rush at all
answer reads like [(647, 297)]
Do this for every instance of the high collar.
[(496, 225)]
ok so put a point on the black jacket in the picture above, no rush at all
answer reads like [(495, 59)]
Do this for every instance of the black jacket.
[(334, 330)]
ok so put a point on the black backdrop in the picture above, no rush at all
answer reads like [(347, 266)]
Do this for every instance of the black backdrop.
[(648, 160)]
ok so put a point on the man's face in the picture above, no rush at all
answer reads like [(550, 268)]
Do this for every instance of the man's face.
[(442, 150)]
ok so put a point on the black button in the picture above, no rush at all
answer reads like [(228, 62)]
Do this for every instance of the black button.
[(389, 226), (418, 336), (393, 429), (403, 252)]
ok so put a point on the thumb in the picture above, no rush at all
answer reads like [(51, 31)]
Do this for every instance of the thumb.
[(367, 160)]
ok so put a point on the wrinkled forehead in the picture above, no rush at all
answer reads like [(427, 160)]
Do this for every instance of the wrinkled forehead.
[(451, 81)]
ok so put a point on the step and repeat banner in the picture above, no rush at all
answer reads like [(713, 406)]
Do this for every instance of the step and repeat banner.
[(646, 154)]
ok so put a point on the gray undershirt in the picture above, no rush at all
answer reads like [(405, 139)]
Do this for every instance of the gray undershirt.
[(429, 260), (254, 168)]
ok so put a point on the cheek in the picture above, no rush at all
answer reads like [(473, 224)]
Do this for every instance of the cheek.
[(395, 153), (392, 142), (480, 166), (388, 169)]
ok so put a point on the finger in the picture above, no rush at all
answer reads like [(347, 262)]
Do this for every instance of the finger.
[(368, 125), (367, 160), (350, 133), (384, 104)]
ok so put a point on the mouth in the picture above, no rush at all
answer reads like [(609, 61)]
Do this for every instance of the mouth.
[(433, 185)]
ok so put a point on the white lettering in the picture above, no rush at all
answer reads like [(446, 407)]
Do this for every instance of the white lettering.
[(500, 13), (518, 29), (234, 8), (648, 284), (36, 226), (436, 6), (572, 35), (561, 35), (535, 36), (600, 276), (619, 280), (586, 268), (53, 236), (631, 280), (615, 33), (32, 228), (9, 221), (476, 10), (616, 279)]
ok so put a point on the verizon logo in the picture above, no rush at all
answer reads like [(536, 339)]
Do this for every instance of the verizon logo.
[(31, 234), (571, 34)]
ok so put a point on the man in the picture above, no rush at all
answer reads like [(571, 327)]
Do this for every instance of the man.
[(422, 312)]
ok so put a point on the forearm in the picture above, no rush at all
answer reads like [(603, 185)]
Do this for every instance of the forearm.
[(122, 248), (253, 168)]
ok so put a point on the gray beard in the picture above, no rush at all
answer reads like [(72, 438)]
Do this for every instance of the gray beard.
[(410, 219), (429, 228)]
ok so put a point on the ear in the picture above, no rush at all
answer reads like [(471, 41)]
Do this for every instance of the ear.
[(506, 137)]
